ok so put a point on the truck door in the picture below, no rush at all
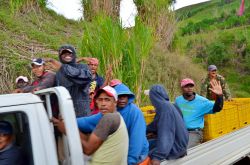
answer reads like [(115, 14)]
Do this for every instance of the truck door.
[(70, 143)]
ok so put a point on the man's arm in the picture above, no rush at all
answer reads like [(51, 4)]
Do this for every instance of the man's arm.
[(218, 105), (165, 136), (217, 89), (88, 124), (47, 82), (80, 76), (137, 136), (107, 126), (226, 91), (204, 86), (91, 144)]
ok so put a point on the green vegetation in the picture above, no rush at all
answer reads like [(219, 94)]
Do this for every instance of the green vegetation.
[(214, 34), (125, 50), (30, 31), (153, 52)]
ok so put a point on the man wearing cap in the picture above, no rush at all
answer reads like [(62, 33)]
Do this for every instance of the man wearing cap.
[(9, 153), (43, 78), (21, 82), (74, 77), (212, 75), (134, 120), (194, 107), (108, 142)]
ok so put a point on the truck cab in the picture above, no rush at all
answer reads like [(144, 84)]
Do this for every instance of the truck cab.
[(30, 114)]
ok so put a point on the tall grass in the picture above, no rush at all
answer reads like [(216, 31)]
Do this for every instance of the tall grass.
[(125, 50)]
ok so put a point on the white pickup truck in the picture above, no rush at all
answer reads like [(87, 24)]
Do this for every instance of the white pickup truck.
[(34, 133)]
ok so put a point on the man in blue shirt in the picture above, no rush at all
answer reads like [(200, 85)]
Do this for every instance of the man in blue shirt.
[(194, 107)]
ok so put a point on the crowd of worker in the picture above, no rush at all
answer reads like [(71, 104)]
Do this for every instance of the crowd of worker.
[(112, 128)]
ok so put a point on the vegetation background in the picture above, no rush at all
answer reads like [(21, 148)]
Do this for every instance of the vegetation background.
[(163, 48)]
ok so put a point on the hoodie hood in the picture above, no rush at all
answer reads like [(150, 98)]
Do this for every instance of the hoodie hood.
[(158, 95), (122, 89), (64, 47)]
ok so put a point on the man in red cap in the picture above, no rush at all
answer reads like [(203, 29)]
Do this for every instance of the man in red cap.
[(93, 64), (194, 107), (109, 137)]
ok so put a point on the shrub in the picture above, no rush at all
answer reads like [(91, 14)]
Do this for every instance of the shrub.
[(217, 54)]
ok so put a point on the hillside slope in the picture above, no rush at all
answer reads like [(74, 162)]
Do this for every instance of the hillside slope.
[(212, 33), (32, 32)]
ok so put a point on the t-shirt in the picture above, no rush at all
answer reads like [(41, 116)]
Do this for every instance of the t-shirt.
[(193, 111), (114, 150)]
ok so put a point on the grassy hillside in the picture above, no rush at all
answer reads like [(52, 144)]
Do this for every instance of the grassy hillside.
[(31, 32), (34, 31), (212, 33)]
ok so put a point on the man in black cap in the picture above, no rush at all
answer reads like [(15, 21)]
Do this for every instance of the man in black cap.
[(213, 75), (43, 78), (75, 77), (9, 153)]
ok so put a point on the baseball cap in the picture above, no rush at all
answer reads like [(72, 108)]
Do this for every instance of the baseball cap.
[(37, 61), (93, 61), (5, 128), (25, 79), (65, 50), (186, 81), (115, 82), (211, 68), (108, 90)]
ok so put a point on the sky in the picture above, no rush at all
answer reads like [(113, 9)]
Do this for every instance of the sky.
[(72, 9), (183, 3)]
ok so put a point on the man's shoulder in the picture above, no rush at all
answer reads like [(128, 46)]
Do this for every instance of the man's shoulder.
[(205, 80), (178, 98), (200, 98), (220, 77), (111, 116)]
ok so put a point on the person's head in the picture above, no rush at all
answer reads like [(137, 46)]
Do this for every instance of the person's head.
[(122, 100), (93, 65), (21, 81), (212, 71), (67, 54), (38, 67), (106, 99), (6, 134), (115, 82), (187, 87), (125, 96), (158, 95)]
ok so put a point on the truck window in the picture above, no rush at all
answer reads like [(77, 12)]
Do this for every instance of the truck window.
[(19, 134)]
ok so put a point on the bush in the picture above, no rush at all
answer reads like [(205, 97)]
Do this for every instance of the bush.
[(217, 54)]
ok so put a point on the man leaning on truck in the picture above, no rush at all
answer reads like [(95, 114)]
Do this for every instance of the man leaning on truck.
[(108, 143)]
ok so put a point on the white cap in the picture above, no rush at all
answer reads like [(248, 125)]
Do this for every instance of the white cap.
[(109, 91), (25, 79)]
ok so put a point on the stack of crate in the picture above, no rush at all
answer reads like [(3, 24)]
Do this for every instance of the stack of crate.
[(235, 115)]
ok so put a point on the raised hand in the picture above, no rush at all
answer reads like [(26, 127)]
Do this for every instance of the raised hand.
[(54, 64), (216, 87), (86, 59)]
